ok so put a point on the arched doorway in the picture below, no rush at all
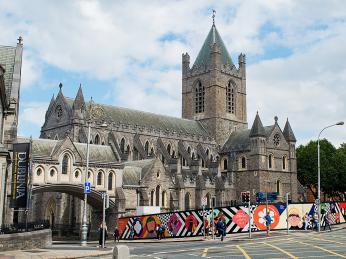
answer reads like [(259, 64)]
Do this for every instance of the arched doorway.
[(187, 201), (158, 195), (50, 212)]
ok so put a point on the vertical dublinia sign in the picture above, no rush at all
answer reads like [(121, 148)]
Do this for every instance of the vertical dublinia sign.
[(20, 172)]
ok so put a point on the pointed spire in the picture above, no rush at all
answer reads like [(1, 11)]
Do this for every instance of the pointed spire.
[(257, 129), (51, 102), (288, 133), (212, 39), (79, 100)]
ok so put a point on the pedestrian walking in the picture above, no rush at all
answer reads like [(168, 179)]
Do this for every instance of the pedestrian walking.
[(101, 234), (315, 221), (206, 227), (158, 231), (162, 232), (326, 222), (221, 228), (306, 221), (116, 234), (132, 233), (268, 221)]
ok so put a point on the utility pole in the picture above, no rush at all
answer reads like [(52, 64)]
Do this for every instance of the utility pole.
[(105, 198), (250, 217), (287, 211)]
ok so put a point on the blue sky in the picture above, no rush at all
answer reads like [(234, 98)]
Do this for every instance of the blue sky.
[(129, 54)]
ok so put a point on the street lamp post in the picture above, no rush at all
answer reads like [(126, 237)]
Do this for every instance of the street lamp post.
[(84, 234), (319, 173)]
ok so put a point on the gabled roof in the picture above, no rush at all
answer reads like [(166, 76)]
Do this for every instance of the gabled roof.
[(240, 140), (44, 148), (134, 169), (288, 133), (7, 61), (121, 115), (212, 38)]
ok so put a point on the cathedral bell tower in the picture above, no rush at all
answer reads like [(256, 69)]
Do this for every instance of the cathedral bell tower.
[(214, 90)]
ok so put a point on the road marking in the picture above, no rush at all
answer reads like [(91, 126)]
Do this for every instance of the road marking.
[(281, 250), (243, 252), (205, 252), (332, 241), (323, 249)]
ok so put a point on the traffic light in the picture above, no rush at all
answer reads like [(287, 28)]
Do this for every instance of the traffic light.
[(245, 197)]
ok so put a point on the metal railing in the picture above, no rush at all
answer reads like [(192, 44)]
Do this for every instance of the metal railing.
[(24, 227)]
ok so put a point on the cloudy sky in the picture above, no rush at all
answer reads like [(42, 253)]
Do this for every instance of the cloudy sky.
[(128, 53)]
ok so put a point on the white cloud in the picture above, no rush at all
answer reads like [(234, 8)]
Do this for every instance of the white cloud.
[(120, 41), (32, 113)]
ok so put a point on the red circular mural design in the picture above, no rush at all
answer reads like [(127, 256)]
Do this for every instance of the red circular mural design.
[(259, 214)]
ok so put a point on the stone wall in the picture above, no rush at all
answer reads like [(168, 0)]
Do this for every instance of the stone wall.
[(26, 240)]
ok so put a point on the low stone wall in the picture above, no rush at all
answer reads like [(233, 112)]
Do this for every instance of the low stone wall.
[(26, 240)]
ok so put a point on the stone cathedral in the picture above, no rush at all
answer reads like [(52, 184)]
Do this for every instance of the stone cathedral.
[(148, 159)]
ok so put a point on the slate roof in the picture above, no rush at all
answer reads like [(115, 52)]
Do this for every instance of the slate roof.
[(7, 57), (257, 129), (240, 140), (43, 148), (204, 53), (150, 120), (288, 133), (134, 169)]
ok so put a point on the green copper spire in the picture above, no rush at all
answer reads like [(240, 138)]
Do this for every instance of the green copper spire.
[(204, 54)]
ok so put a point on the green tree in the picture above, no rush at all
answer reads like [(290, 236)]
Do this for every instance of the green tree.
[(340, 165), (307, 166)]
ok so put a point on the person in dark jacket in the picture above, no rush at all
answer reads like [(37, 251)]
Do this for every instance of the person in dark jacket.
[(221, 228), (101, 233), (116, 234), (326, 222)]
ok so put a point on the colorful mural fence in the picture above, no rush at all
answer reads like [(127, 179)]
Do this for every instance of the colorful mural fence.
[(192, 223)]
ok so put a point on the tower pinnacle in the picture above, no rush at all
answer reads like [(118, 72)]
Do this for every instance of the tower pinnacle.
[(214, 12)]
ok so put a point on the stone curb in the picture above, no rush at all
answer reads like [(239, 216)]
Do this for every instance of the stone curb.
[(81, 256)]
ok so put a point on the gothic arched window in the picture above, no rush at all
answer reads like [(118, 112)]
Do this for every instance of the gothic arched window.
[(97, 139), (122, 145), (152, 194), (99, 178), (243, 162), (270, 161), (199, 98), (187, 201), (225, 164), (169, 149), (110, 181), (230, 97), (158, 195), (284, 162), (189, 150), (146, 147), (65, 164)]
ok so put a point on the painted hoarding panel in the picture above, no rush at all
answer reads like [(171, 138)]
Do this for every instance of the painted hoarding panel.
[(190, 223)]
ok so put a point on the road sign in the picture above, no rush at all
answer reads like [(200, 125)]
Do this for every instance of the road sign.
[(272, 196), (262, 196), (204, 201), (87, 187)]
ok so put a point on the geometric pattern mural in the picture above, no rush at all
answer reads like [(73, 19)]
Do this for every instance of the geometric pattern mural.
[(190, 223)]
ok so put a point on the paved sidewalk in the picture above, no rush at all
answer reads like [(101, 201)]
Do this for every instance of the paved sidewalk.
[(72, 249)]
